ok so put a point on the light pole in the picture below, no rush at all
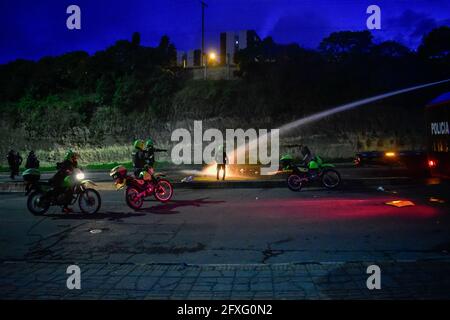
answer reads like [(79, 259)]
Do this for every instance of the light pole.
[(228, 66), (204, 5)]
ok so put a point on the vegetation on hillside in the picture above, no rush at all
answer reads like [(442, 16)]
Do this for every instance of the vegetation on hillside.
[(129, 90)]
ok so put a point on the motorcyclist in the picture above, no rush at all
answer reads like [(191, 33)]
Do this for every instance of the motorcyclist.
[(308, 156), (65, 169), (32, 161), (149, 158), (150, 152), (138, 157)]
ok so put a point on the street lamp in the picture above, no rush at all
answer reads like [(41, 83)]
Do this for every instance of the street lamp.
[(210, 61), (212, 56)]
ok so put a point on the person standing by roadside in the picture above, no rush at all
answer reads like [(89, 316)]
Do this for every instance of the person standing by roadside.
[(18, 162), (14, 162), (10, 157), (221, 160), (32, 161)]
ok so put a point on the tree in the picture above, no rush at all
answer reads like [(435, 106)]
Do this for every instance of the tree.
[(391, 49), (167, 50), (339, 45), (136, 39), (129, 94), (436, 44), (105, 89)]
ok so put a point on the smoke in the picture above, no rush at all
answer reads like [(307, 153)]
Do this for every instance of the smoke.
[(271, 22)]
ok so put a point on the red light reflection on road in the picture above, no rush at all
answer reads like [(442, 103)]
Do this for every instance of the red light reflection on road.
[(338, 208)]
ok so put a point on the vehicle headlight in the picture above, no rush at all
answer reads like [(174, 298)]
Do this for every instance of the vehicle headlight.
[(80, 176), (390, 154)]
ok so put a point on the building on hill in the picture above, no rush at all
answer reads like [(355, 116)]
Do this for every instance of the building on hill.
[(224, 65), (232, 42), (194, 58)]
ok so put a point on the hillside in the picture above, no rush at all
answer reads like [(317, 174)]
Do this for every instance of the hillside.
[(99, 104)]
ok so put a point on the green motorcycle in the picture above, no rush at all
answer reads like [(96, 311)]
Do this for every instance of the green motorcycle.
[(315, 170), (42, 195)]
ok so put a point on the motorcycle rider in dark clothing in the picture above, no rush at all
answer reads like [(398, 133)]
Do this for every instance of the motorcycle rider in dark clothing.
[(32, 161), (150, 152), (65, 169), (138, 157), (308, 156)]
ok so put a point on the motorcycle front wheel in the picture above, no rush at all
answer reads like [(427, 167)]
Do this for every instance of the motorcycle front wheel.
[(294, 182), (132, 199), (36, 204), (331, 179), (89, 201), (163, 190)]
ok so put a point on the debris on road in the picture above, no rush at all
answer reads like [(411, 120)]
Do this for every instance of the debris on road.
[(437, 200), (187, 179), (400, 203)]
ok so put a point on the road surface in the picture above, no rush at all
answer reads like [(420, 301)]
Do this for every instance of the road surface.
[(212, 232)]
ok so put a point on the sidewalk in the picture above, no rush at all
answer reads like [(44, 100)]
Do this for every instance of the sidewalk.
[(399, 280)]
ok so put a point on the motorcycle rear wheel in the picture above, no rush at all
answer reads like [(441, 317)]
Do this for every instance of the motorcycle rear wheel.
[(294, 182), (36, 205)]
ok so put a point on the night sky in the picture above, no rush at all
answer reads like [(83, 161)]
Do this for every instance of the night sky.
[(33, 29)]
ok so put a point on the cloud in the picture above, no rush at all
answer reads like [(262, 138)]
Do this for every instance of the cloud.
[(410, 27), (307, 29)]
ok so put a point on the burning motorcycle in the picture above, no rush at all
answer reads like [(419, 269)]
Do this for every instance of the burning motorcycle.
[(42, 194), (146, 185), (315, 170)]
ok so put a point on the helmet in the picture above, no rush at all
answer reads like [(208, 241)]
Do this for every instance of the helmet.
[(149, 143), (71, 156), (139, 144)]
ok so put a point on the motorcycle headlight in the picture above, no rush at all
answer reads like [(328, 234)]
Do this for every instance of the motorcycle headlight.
[(80, 176)]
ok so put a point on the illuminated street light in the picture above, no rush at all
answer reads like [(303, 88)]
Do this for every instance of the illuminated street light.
[(212, 56)]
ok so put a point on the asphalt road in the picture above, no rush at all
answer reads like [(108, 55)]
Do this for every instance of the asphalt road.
[(176, 173), (233, 244), (236, 226)]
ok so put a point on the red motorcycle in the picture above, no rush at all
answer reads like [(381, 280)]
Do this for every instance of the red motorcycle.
[(146, 185)]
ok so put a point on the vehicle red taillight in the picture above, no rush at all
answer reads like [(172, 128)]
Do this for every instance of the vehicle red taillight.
[(431, 163)]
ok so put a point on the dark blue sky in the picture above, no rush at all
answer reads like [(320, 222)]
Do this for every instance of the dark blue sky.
[(32, 29)]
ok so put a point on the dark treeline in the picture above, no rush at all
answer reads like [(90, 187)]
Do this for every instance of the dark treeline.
[(347, 66), (129, 81), (126, 75)]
